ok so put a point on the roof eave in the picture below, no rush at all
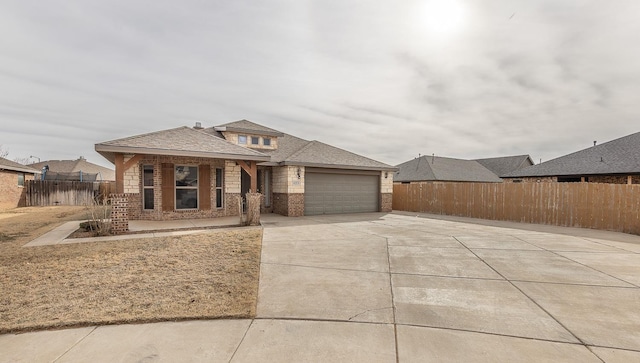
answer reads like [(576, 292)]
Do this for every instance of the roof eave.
[(107, 150), (337, 166), (18, 169)]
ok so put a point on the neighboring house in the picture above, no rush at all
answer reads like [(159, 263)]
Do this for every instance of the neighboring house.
[(12, 181), (74, 170), (616, 162), (441, 169), (502, 166), (201, 173)]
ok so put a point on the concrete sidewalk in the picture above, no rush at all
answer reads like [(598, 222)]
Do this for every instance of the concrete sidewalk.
[(392, 287), (60, 234)]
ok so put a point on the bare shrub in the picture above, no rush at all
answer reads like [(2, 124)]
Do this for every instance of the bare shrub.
[(98, 213)]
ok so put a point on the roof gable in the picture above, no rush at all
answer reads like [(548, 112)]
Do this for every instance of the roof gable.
[(619, 156), (503, 165)]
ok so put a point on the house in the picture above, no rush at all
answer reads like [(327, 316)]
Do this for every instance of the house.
[(504, 165), (615, 162), (73, 170), (442, 169), (12, 181), (202, 173)]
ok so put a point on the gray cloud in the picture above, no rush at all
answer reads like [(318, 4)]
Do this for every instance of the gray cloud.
[(368, 77)]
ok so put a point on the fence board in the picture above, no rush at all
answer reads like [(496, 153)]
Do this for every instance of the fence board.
[(49, 192), (614, 207)]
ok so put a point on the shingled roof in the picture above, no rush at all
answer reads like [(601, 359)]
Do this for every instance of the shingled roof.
[(619, 156), (181, 141), (506, 164), (293, 150), (436, 168), (210, 142), (6, 164), (74, 166)]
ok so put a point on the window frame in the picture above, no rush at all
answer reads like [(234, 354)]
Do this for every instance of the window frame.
[(146, 187), (21, 177), (219, 188), (184, 187), (266, 141), (242, 139), (256, 139)]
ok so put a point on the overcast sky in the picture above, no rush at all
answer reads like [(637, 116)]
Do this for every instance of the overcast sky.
[(385, 79)]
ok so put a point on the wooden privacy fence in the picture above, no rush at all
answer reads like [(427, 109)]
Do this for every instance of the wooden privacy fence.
[(50, 192), (613, 207)]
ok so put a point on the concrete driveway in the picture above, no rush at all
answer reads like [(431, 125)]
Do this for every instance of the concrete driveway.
[(397, 287)]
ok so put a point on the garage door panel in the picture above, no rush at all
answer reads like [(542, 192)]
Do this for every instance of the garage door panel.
[(340, 193)]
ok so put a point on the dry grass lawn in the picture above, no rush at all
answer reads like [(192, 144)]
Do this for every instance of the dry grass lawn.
[(208, 275)]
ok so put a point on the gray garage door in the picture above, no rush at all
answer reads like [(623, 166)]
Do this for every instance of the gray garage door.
[(327, 193)]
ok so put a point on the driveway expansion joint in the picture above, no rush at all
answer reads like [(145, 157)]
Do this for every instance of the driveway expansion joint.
[(528, 297)]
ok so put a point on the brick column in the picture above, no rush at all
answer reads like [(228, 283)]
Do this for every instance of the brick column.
[(119, 213)]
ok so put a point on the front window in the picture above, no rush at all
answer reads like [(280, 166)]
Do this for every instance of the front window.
[(219, 193), (242, 139), (255, 140), (21, 179), (186, 187), (147, 186), (266, 141)]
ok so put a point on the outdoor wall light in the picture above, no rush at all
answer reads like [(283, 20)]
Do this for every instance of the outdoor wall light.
[(298, 172), (386, 174)]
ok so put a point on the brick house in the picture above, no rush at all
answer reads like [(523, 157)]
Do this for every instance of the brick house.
[(12, 180), (202, 172), (613, 162)]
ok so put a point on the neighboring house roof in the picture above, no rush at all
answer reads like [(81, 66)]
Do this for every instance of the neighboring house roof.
[(436, 168), (619, 156), (296, 151), (6, 164), (73, 166), (504, 165), (181, 141)]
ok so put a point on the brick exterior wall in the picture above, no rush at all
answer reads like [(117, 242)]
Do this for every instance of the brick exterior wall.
[(287, 197), (134, 180), (386, 191), (614, 179), (606, 179), (542, 179), (119, 213), (386, 200), (285, 179), (134, 208), (12, 195), (290, 205), (288, 191)]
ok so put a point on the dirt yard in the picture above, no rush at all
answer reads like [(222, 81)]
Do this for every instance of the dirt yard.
[(208, 275)]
